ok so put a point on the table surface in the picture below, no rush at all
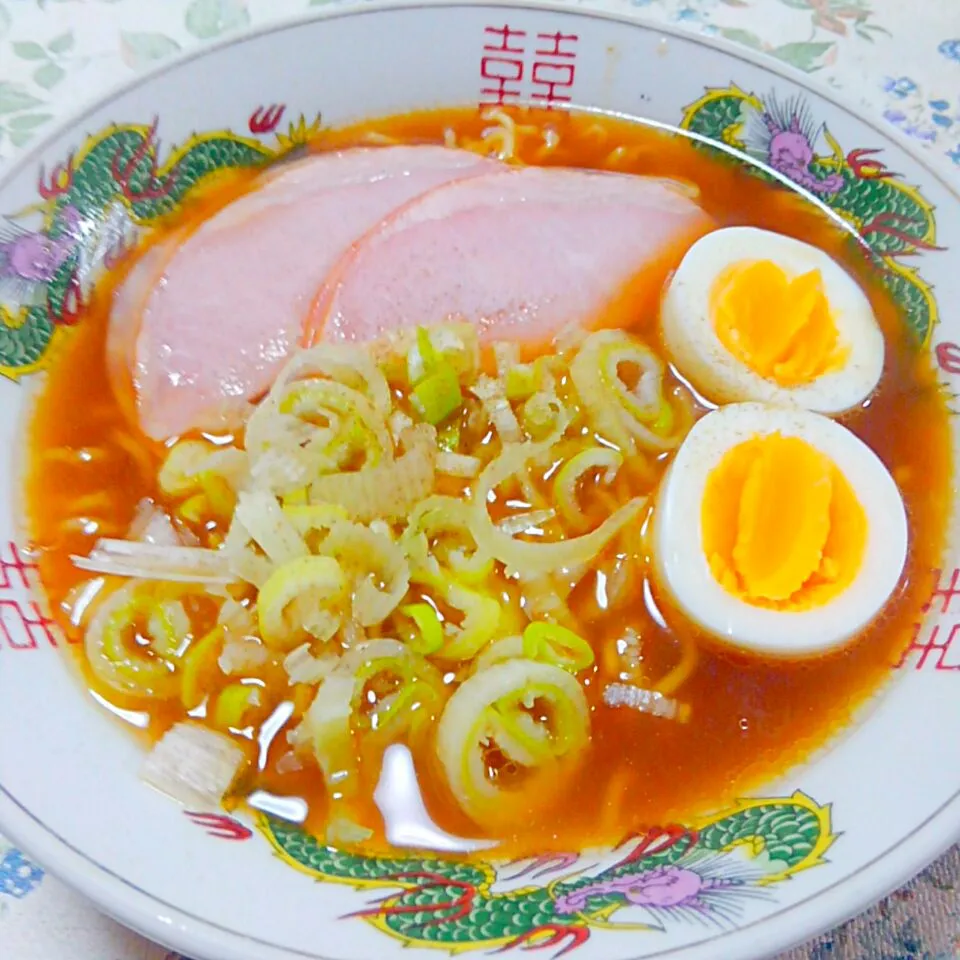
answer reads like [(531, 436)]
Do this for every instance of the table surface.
[(896, 59)]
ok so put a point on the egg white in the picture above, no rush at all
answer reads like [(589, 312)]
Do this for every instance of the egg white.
[(719, 376), (683, 571)]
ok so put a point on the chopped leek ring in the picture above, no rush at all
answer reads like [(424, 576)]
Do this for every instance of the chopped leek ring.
[(329, 722), (438, 395), (264, 519), (409, 710), (663, 424), (233, 704), (641, 417), (194, 508), (379, 567), (391, 489), (361, 427), (349, 364), (169, 625), (533, 559), (198, 663), (644, 401), (311, 519), (202, 474), (221, 499), (435, 521), (498, 408), (124, 665), (454, 343), (317, 580), (493, 708), (506, 353), (178, 474), (459, 465), (344, 832), (522, 381), (517, 733), (448, 439), (506, 648), (541, 414), (481, 621), (422, 358), (430, 638), (551, 643), (565, 486), (418, 698), (307, 427), (458, 345)]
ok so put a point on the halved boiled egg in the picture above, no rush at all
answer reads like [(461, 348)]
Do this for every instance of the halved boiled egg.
[(778, 530), (755, 315)]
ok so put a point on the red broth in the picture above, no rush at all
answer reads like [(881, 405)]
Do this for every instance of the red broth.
[(751, 718)]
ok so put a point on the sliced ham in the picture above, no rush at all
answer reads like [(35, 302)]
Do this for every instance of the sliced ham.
[(202, 325), (522, 252)]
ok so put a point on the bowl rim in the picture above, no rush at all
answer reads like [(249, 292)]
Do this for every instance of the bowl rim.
[(180, 930)]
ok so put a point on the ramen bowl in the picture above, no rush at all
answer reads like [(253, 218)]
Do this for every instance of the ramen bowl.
[(759, 872)]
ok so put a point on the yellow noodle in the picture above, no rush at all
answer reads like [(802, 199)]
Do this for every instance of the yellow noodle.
[(98, 500), (617, 790), (75, 456), (689, 656), (145, 463), (380, 139), (91, 527), (621, 155)]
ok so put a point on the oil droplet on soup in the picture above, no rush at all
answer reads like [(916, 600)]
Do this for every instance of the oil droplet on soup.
[(750, 717)]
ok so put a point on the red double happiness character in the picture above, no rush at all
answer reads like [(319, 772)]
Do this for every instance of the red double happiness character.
[(555, 68), (14, 568), (23, 625), (945, 593), (502, 64), (932, 648)]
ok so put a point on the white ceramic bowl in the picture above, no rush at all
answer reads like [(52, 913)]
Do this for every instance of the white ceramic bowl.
[(851, 825)]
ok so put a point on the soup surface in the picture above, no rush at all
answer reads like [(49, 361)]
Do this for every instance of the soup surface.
[(745, 717)]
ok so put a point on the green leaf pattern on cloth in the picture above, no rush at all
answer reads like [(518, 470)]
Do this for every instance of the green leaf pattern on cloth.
[(206, 19)]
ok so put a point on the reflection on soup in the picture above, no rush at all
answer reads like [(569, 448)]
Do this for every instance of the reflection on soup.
[(606, 507)]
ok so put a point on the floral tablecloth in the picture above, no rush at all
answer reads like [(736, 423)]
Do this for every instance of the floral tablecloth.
[(898, 59)]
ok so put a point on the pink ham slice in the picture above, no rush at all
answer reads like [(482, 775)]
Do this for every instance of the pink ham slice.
[(203, 324), (523, 252)]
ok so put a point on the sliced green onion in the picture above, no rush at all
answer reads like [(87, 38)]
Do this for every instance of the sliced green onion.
[(665, 419), (427, 351), (481, 621), (200, 660), (568, 479), (321, 584), (448, 437), (427, 621), (634, 417), (551, 643), (346, 411), (541, 414), (421, 358), (494, 707), (518, 734), (438, 536), (522, 381), (437, 395), (233, 703)]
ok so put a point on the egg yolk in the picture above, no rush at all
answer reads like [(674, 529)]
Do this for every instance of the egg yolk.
[(781, 328), (782, 527)]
